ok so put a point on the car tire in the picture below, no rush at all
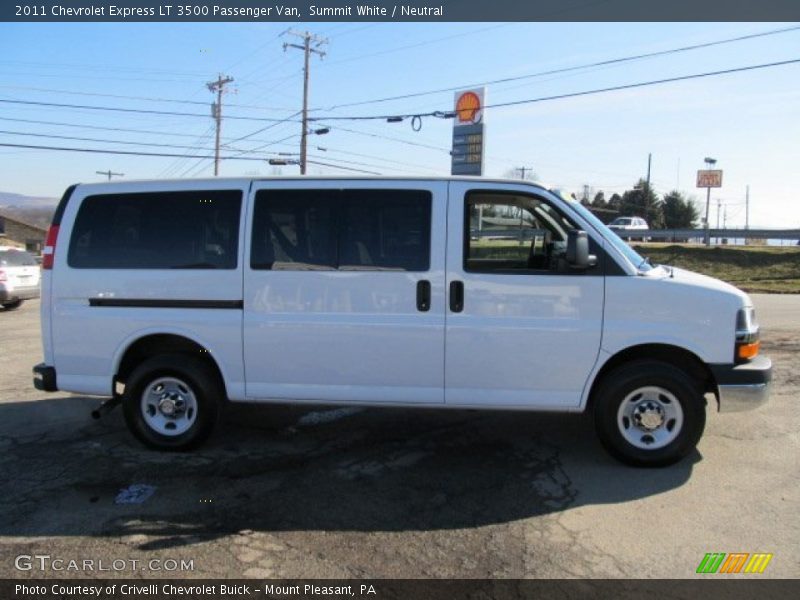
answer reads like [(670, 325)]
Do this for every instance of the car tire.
[(12, 305), (171, 402), (649, 413)]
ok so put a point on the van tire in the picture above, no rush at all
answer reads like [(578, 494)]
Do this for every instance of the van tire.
[(183, 381), (12, 305), (634, 407)]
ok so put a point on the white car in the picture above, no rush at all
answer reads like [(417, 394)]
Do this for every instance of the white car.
[(171, 297), (626, 227), (19, 277)]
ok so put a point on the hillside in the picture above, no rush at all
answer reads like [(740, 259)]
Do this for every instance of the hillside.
[(751, 268), (29, 209)]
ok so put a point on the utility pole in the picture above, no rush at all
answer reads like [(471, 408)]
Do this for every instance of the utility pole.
[(218, 87), (110, 174), (307, 49), (522, 171), (649, 160)]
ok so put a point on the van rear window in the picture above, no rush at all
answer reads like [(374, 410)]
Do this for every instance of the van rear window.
[(157, 230)]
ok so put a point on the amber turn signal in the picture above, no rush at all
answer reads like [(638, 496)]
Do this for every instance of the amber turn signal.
[(748, 351)]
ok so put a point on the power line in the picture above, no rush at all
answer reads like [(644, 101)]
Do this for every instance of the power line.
[(133, 110), (315, 162), (124, 152), (257, 131), (647, 83), (418, 44), (372, 157), (95, 67), (362, 164), (389, 138), (573, 68), (123, 129), (267, 145), (178, 163), (102, 141), (138, 98), (451, 114)]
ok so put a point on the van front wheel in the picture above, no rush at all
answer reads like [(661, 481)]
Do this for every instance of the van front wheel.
[(171, 402), (649, 413)]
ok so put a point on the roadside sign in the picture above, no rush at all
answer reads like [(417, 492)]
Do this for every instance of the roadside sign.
[(709, 178), (468, 133)]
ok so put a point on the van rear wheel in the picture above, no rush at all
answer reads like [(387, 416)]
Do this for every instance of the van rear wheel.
[(649, 413), (171, 402)]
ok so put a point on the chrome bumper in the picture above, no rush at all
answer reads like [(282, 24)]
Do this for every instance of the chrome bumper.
[(743, 387)]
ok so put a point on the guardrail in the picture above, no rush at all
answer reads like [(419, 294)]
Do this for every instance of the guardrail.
[(670, 235), (675, 235)]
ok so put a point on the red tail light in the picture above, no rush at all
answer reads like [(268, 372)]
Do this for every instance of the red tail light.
[(49, 251)]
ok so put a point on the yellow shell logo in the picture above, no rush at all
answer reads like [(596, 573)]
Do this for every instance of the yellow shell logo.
[(468, 108)]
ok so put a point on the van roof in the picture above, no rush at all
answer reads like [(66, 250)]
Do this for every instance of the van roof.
[(240, 180)]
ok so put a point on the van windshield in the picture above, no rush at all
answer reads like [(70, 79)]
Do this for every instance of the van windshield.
[(636, 259)]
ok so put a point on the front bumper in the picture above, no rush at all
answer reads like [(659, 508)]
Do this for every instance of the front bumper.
[(44, 378), (745, 386)]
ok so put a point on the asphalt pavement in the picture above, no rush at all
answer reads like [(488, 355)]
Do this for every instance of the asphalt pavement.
[(318, 493)]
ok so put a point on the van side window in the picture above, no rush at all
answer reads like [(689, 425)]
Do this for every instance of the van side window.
[(509, 233), (385, 230), (365, 230), (294, 230), (157, 230)]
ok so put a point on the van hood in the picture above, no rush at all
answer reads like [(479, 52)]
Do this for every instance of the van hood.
[(684, 277)]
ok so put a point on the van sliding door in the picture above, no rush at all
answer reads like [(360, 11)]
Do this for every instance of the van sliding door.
[(344, 291)]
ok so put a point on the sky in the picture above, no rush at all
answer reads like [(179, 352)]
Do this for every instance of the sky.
[(748, 121)]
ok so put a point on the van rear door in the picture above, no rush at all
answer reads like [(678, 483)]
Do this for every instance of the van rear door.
[(344, 291), (134, 259), (523, 329)]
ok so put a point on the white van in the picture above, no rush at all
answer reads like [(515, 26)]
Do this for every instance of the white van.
[(175, 296)]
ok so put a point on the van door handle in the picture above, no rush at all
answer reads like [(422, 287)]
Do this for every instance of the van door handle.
[(456, 296), (423, 295)]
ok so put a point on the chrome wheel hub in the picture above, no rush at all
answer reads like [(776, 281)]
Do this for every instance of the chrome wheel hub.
[(169, 406), (650, 417)]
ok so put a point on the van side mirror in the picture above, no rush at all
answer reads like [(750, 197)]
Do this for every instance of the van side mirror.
[(578, 256)]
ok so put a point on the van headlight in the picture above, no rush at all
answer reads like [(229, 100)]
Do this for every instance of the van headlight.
[(747, 335)]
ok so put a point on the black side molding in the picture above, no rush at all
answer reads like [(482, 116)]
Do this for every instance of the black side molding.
[(44, 378), (157, 303)]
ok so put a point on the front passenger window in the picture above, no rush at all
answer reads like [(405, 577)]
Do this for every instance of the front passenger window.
[(508, 233)]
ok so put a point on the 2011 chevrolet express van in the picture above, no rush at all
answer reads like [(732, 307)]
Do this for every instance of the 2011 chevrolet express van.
[(172, 297)]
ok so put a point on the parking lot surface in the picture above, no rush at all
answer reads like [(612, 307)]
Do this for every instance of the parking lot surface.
[(340, 492)]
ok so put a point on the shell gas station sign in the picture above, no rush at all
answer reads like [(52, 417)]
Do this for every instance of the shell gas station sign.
[(468, 132)]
